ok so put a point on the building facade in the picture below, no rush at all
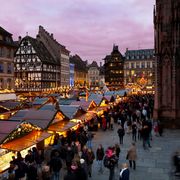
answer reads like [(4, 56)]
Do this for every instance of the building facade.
[(59, 53), (35, 68), (114, 70), (80, 71), (71, 75), (167, 59), (101, 76), (93, 76), (139, 68), (7, 49)]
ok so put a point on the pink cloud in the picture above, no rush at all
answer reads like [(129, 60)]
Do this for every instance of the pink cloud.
[(86, 27)]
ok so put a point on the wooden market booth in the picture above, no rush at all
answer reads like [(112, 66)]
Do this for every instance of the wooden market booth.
[(17, 136)]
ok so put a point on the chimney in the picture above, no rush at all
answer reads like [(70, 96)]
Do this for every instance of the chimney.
[(100, 64), (126, 49), (38, 37), (19, 39), (51, 35)]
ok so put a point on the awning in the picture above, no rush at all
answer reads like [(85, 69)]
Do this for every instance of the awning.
[(87, 116), (62, 126), (26, 141)]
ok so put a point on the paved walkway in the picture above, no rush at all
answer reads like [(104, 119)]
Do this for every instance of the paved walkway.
[(152, 164)]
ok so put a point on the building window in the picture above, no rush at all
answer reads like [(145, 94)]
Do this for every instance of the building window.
[(142, 65), (1, 83), (8, 54), (132, 65), (148, 64), (8, 83), (9, 68), (137, 64), (1, 68)]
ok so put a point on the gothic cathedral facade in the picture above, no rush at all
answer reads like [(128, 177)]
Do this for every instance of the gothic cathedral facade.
[(167, 62)]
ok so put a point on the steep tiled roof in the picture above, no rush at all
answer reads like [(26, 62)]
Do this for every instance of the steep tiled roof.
[(3, 31), (79, 64), (7, 38), (41, 50), (93, 64), (6, 127)]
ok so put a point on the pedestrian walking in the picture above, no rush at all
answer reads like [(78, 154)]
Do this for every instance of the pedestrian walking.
[(89, 139), (121, 134), (132, 156), (99, 158), (111, 122), (55, 166), (134, 131), (90, 159), (176, 161), (110, 162)]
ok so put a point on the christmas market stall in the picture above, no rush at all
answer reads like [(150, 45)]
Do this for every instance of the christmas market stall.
[(43, 118), (15, 136), (72, 111), (95, 97), (50, 119), (8, 108), (62, 127), (61, 123), (86, 105), (19, 115), (40, 101)]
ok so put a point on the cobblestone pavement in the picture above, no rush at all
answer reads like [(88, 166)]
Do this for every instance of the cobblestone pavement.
[(152, 164)]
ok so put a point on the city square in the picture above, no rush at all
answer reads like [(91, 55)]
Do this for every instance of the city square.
[(90, 90)]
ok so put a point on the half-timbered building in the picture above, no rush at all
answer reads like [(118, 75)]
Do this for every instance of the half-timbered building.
[(114, 70), (35, 68)]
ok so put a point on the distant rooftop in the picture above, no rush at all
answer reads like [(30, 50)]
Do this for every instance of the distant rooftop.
[(139, 54)]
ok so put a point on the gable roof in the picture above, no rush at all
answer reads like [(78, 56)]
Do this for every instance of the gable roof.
[(19, 115), (79, 64), (84, 104), (40, 101), (41, 51), (3, 31), (10, 104), (40, 118), (70, 110), (93, 64), (6, 127)]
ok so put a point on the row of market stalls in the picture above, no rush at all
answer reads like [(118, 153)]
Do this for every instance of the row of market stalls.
[(37, 126)]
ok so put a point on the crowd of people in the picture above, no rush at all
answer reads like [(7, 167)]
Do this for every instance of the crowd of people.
[(75, 152)]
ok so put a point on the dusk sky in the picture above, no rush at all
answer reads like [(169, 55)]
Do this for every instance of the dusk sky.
[(88, 28)]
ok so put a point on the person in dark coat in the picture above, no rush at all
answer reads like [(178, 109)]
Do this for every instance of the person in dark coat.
[(72, 172), (99, 157), (124, 172), (20, 170), (69, 156), (82, 171), (121, 134), (55, 166), (32, 171)]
